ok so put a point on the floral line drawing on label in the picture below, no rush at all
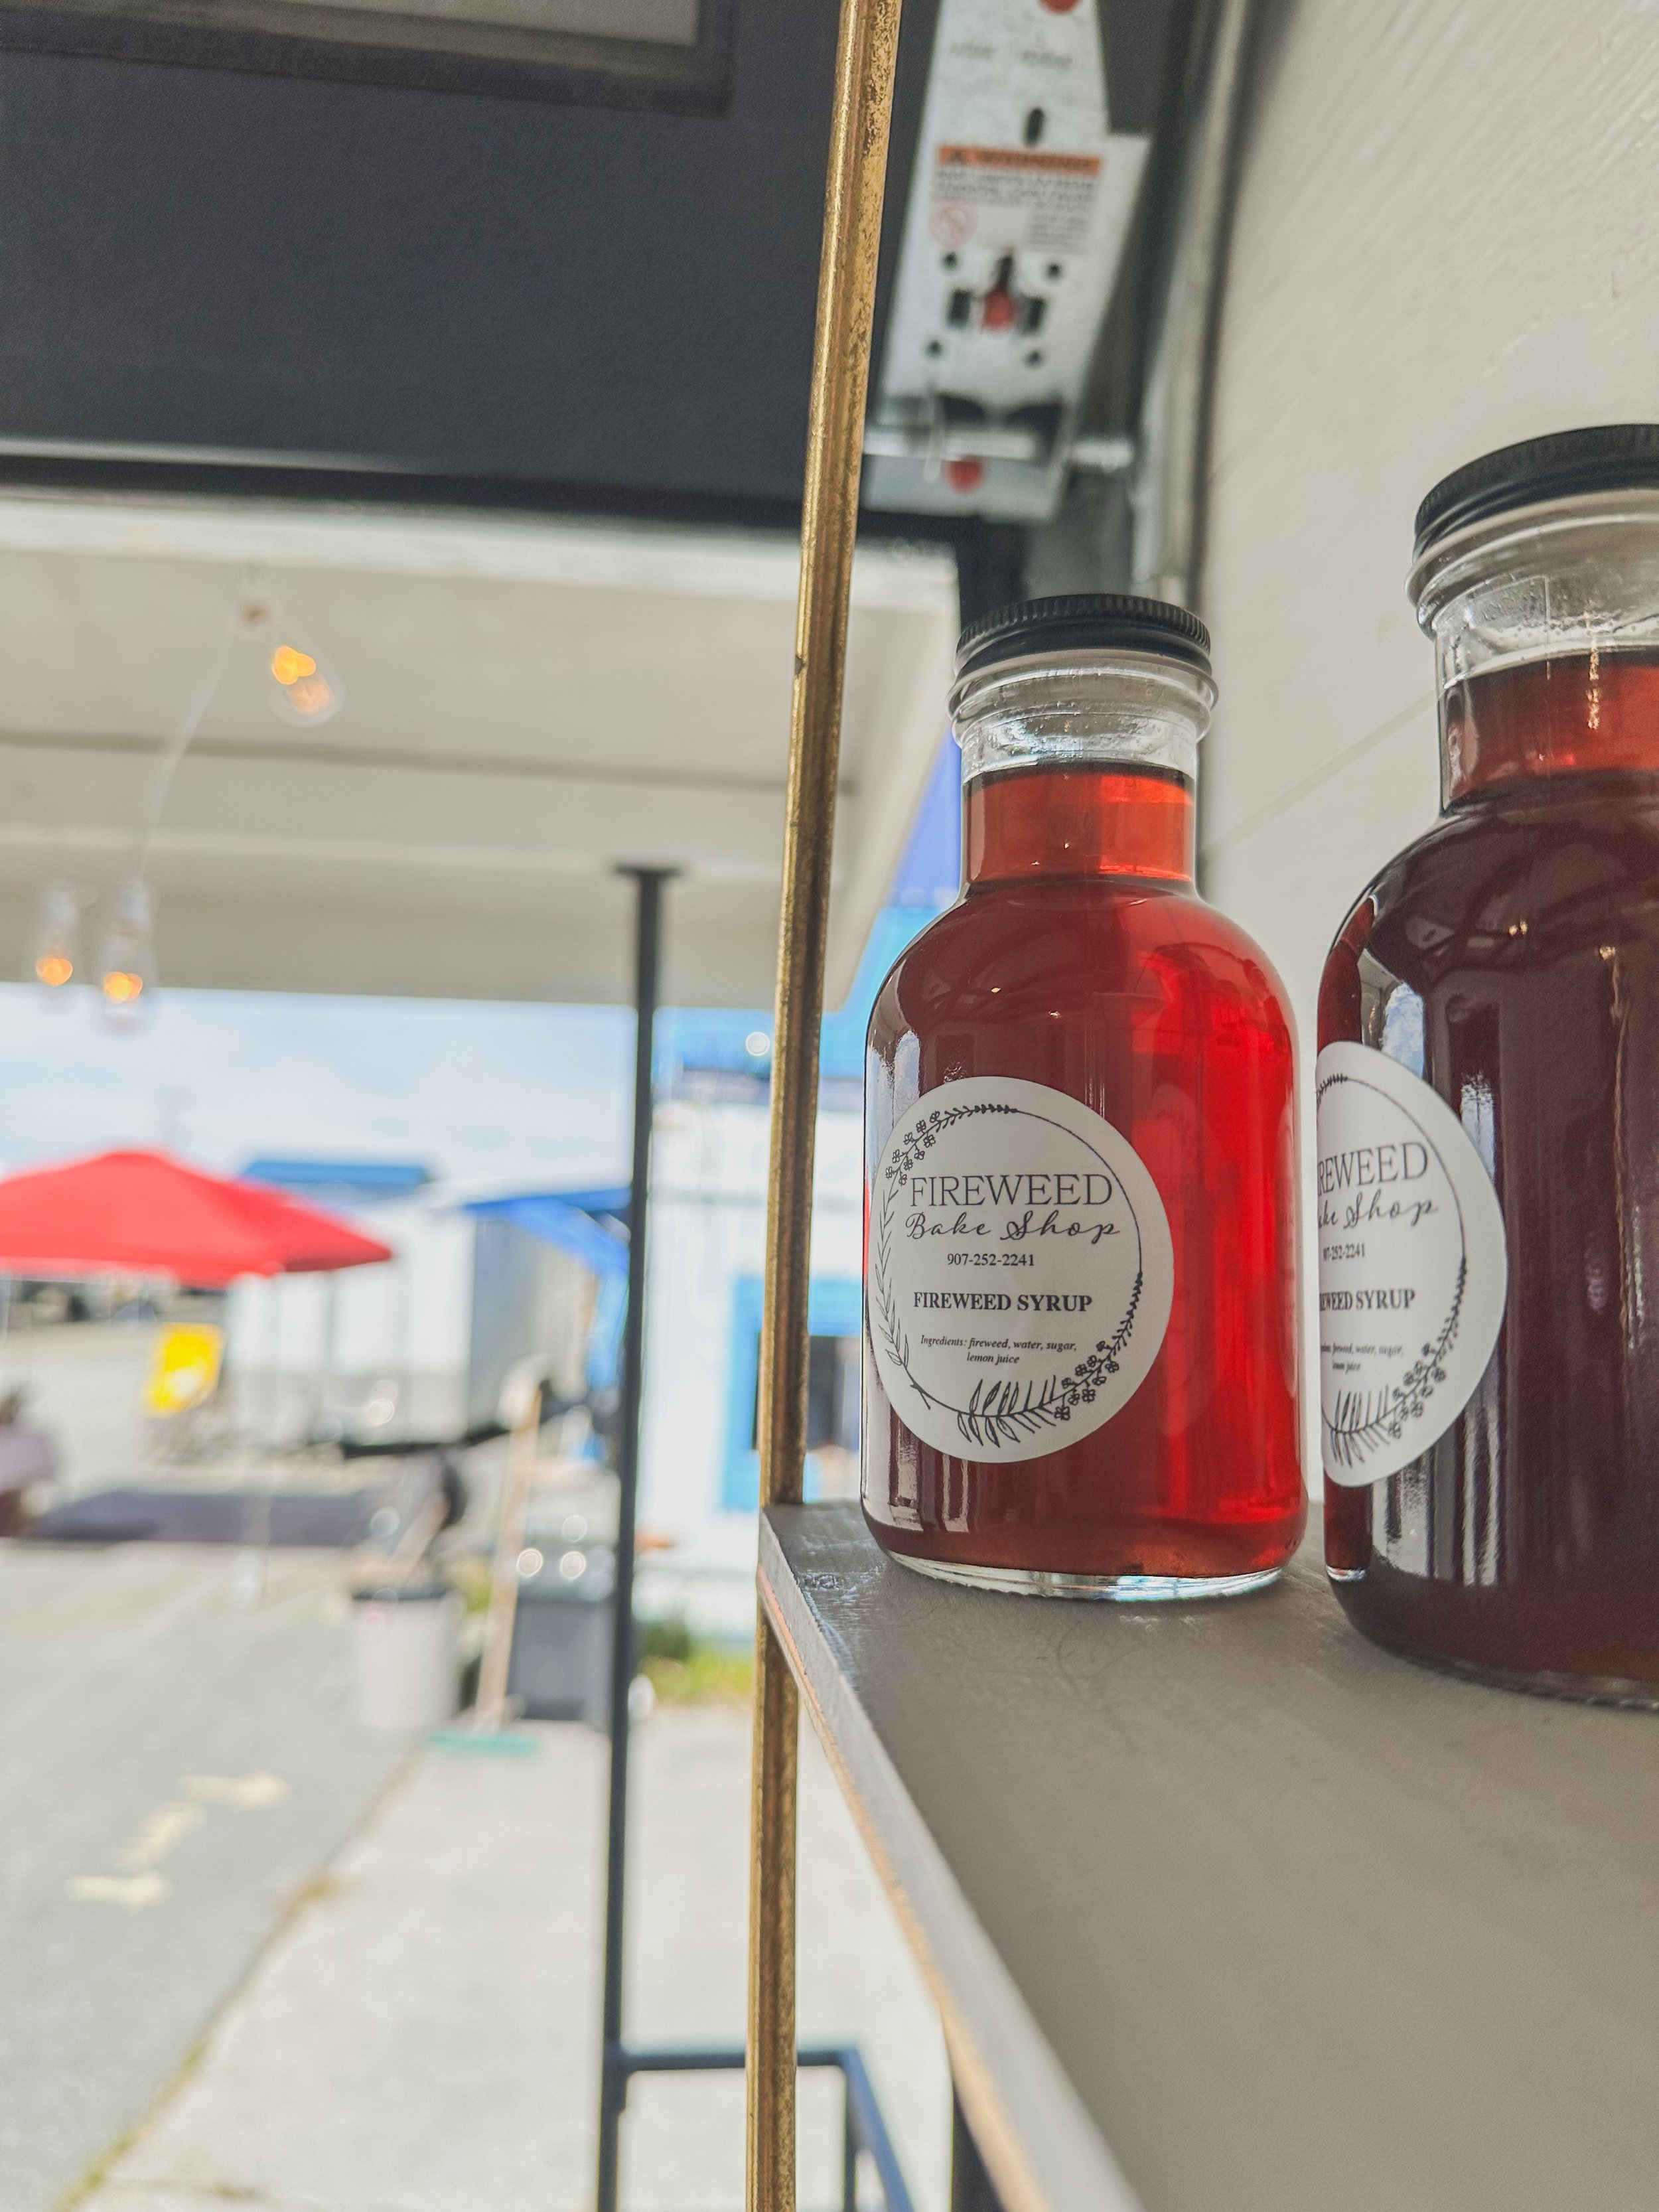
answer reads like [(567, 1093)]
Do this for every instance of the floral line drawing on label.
[(1354, 1432), (1073, 1253), (997, 1412)]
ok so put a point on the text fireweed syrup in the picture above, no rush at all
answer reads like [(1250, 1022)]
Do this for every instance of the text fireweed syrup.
[(1080, 1356)]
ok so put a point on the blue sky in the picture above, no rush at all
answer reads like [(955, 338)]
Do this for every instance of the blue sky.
[(533, 1092)]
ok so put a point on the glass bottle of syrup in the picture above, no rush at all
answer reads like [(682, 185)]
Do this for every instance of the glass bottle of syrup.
[(1489, 1019), (1081, 1336)]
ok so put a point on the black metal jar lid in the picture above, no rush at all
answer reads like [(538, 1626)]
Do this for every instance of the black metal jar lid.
[(1091, 621), (1613, 457)]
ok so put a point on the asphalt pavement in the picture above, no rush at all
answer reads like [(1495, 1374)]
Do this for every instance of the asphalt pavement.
[(177, 1765), (251, 1953)]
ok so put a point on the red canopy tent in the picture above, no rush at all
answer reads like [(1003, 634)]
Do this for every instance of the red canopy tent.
[(145, 1214)]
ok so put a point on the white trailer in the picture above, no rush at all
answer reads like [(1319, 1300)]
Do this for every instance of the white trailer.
[(412, 1352)]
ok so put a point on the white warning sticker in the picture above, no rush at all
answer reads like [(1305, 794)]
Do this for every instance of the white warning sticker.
[(1012, 200)]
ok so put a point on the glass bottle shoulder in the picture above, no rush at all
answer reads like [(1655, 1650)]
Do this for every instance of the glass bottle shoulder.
[(1524, 878), (1006, 952)]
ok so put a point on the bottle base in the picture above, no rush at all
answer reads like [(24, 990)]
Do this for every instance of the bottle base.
[(1534, 1682), (1109, 1590)]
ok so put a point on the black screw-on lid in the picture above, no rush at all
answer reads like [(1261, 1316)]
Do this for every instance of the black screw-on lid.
[(1085, 621), (1612, 457)]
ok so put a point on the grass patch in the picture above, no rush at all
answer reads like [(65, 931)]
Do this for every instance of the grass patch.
[(684, 1670)]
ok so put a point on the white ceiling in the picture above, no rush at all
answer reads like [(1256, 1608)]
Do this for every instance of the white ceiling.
[(527, 704)]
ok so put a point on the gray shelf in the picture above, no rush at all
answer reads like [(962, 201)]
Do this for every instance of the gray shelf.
[(1227, 1911)]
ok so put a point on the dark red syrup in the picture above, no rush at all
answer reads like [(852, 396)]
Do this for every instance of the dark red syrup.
[(1524, 1545)]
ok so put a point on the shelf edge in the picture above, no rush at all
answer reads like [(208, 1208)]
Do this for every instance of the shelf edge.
[(1043, 2152)]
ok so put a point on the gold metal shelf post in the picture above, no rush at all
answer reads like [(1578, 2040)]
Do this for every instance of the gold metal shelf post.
[(865, 63)]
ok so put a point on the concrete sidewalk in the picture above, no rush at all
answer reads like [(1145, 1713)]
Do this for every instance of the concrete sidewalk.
[(421, 2034)]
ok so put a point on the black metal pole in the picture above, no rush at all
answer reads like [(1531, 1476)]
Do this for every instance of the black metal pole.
[(613, 2071), (972, 2189)]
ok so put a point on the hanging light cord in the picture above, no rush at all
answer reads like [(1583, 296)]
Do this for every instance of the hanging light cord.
[(181, 737)]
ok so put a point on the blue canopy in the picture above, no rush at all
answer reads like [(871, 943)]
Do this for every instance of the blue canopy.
[(341, 1179), (569, 1220), (556, 1221)]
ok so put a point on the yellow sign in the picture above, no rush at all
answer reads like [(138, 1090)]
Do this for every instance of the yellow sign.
[(186, 1370)]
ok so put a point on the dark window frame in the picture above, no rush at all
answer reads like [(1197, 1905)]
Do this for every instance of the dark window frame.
[(428, 53)]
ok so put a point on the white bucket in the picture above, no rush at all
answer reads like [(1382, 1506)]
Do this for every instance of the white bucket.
[(405, 1657)]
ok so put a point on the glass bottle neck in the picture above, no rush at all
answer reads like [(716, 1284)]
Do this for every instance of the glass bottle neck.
[(1546, 627), (1078, 820), (1548, 718)]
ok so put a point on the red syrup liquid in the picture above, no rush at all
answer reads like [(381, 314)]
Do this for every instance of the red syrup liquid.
[(1523, 1546), (1080, 956)]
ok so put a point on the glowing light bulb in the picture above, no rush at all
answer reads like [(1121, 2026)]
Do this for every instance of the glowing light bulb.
[(54, 951), (300, 686), (301, 689), (127, 967)]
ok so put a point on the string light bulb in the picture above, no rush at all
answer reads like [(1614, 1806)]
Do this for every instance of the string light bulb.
[(127, 966), (55, 947), (300, 685), (299, 689)]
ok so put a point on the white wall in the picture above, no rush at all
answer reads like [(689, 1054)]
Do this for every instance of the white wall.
[(1445, 240), (708, 1230)]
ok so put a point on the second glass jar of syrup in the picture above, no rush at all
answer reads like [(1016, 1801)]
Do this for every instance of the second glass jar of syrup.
[(1488, 1089), (1081, 1332)]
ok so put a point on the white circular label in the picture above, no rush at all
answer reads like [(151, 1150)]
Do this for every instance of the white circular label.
[(1413, 1268), (1020, 1273)]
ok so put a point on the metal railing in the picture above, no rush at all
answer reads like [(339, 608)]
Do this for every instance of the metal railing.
[(863, 2128)]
